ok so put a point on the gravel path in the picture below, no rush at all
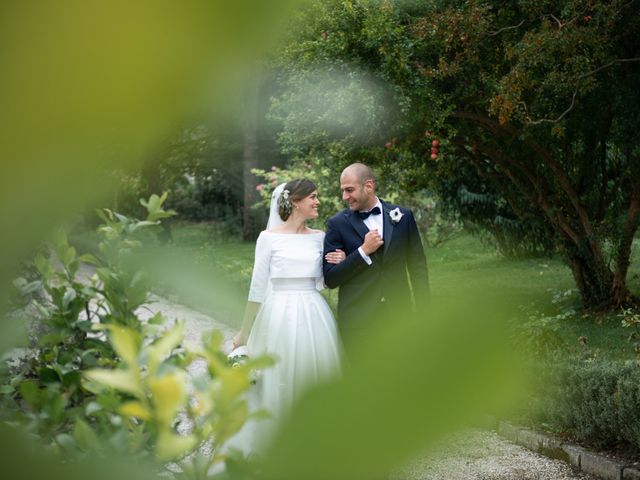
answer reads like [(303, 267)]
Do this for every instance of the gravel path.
[(483, 455), (469, 455)]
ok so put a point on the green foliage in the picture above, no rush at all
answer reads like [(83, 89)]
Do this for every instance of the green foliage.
[(154, 387), (507, 112), (112, 107), (596, 402), (537, 334), (45, 389), (100, 381), (200, 165), (631, 319)]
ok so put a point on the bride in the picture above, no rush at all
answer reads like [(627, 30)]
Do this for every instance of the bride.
[(293, 322)]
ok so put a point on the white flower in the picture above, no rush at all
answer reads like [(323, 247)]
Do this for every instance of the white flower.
[(396, 215), (285, 194)]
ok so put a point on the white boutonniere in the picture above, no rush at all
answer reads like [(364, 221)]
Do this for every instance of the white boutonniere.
[(396, 215)]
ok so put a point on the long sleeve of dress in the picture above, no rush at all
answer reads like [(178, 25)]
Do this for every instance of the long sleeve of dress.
[(260, 276)]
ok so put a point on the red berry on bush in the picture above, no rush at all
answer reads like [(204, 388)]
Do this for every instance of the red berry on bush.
[(434, 156), (435, 143)]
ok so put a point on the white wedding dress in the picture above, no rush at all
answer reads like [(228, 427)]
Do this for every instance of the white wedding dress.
[(294, 325)]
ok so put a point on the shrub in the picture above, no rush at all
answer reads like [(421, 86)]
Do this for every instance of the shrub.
[(597, 402), (97, 379)]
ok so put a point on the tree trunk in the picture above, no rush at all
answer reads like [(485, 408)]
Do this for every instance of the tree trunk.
[(621, 294), (599, 287), (595, 286), (253, 221)]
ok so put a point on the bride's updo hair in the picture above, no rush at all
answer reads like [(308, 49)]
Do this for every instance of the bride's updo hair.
[(294, 191)]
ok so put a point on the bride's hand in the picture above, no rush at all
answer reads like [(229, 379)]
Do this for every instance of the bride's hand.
[(335, 257), (239, 340)]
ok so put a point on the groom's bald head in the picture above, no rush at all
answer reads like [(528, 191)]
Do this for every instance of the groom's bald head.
[(360, 172), (358, 185)]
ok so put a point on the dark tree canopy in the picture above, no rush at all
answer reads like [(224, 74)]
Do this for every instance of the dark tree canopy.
[(535, 105)]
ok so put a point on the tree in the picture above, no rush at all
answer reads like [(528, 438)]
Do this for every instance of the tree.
[(532, 103)]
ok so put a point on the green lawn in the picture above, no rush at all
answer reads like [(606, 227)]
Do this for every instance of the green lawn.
[(544, 284)]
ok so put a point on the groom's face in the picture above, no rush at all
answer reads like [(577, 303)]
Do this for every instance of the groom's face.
[(358, 195)]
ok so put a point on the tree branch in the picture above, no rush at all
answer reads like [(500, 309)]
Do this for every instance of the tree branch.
[(540, 198), (559, 173), (560, 24), (504, 29), (578, 79)]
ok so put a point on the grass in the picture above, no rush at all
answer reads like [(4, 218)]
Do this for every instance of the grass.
[(544, 285)]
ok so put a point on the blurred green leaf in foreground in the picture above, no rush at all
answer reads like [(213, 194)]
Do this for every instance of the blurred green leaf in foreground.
[(405, 386), (90, 86)]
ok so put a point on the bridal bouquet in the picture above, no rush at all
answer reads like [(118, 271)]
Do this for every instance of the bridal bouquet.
[(238, 357)]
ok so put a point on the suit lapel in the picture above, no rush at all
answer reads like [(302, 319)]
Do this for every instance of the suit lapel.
[(387, 225), (357, 223)]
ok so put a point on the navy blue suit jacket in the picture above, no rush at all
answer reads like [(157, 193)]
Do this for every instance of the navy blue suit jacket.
[(397, 279)]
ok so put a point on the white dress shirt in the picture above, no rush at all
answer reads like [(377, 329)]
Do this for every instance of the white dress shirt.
[(373, 222)]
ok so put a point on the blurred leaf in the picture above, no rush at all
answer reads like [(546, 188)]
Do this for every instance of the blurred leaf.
[(69, 296), (59, 238), (163, 347), (67, 255), (88, 258), (49, 375), (233, 421), (405, 386), (261, 362), (171, 446), (43, 266), (30, 392), (66, 441), (22, 458), (157, 319), (122, 380), (7, 389), (135, 409), (119, 76), (26, 288), (85, 437), (143, 224), (92, 407), (168, 393), (126, 342), (154, 208)]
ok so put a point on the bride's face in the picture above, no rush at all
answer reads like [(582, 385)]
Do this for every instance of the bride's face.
[(308, 206)]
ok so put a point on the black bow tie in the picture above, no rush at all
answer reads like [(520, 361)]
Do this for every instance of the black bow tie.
[(373, 211)]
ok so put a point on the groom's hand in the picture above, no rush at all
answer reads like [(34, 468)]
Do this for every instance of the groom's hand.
[(372, 242)]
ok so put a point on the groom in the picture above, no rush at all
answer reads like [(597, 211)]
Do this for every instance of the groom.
[(385, 272)]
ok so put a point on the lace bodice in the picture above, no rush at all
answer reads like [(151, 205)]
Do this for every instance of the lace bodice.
[(285, 256)]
